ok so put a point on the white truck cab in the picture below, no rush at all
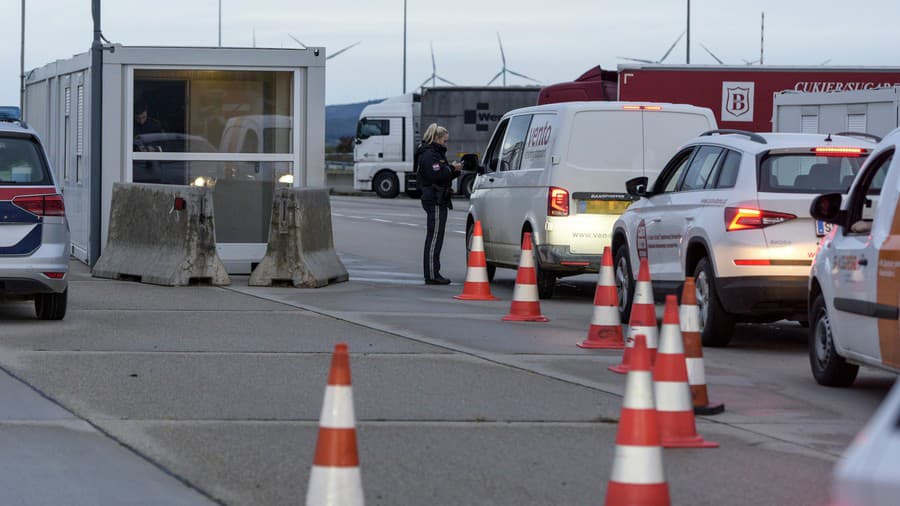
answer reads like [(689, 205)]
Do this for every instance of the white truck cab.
[(854, 286), (383, 154)]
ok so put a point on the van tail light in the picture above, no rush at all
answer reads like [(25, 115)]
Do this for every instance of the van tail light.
[(557, 202), (42, 205), (742, 218)]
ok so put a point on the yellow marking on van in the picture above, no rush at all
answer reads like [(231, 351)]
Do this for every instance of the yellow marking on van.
[(603, 206)]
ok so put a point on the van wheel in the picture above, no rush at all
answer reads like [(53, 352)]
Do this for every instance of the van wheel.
[(51, 306), (467, 186), (716, 326), (829, 368), (624, 282), (386, 184), (546, 280)]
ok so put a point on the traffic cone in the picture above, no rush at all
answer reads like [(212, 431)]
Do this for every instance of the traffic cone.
[(335, 478), (693, 350), (477, 285), (637, 475), (643, 318), (677, 426), (606, 328), (525, 306)]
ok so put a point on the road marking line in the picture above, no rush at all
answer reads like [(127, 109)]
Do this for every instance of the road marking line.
[(410, 224), (380, 220), (458, 232)]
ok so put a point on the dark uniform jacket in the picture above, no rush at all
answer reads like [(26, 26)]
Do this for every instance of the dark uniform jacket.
[(434, 174)]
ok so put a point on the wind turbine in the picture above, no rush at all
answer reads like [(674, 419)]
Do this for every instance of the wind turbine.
[(639, 60), (711, 54), (434, 76), (332, 55), (504, 70)]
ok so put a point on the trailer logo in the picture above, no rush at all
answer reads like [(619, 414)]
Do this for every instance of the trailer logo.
[(481, 117), (737, 101)]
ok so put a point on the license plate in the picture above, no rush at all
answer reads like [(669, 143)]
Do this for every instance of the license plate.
[(603, 206), (822, 228)]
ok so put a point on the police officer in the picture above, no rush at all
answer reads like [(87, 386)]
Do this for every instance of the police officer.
[(434, 176)]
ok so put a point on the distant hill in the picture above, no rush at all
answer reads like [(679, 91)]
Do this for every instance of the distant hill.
[(340, 120)]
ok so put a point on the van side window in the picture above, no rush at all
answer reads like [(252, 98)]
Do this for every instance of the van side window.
[(728, 170), (864, 199), (514, 143), (701, 168), (672, 172), (492, 155)]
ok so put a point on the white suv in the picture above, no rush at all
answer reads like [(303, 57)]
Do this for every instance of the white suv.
[(731, 208)]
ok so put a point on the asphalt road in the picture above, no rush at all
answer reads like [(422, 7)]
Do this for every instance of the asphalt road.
[(208, 394)]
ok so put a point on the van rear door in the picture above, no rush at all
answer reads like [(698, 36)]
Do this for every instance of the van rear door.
[(666, 130)]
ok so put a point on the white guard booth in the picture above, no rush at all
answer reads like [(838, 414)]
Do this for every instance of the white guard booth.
[(242, 120)]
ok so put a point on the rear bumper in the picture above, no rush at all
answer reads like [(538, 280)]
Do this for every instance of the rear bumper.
[(561, 259), (764, 297), (24, 275)]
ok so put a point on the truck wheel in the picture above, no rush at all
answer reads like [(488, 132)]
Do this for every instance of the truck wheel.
[(546, 280), (716, 326), (51, 306), (386, 184), (829, 368), (467, 186), (624, 282)]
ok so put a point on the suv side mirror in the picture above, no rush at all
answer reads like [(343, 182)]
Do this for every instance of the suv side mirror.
[(637, 186), (828, 208), (470, 162)]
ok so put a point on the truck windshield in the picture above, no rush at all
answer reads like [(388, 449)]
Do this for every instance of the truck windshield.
[(21, 163), (808, 173)]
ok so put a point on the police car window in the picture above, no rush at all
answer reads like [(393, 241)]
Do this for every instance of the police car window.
[(514, 142), (671, 174), (728, 170), (493, 152), (22, 163), (701, 168), (866, 194)]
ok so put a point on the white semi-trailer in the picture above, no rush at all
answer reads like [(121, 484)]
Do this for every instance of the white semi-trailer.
[(872, 111), (389, 132)]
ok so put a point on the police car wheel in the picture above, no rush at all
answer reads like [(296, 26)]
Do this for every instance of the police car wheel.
[(716, 326), (829, 368), (51, 306), (624, 282)]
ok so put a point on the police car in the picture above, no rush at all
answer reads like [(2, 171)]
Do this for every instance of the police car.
[(854, 286), (34, 233)]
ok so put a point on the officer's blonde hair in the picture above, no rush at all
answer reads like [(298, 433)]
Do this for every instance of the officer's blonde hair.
[(433, 133)]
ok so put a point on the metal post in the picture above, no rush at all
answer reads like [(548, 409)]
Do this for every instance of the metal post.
[(22, 67), (688, 43), (96, 153), (762, 33), (404, 47), (220, 23)]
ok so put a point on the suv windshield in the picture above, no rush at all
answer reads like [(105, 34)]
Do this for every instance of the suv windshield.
[(807, 173), (21, 163)]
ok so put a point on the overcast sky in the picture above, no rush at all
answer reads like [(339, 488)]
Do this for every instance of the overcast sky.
[(551, 41)]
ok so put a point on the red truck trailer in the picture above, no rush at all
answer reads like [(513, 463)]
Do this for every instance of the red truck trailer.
[(740, 96)]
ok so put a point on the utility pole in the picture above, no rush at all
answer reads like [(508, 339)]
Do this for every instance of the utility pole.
[(404, 47), (22, 67), (687, 50), (762, 33), (220, 23), (96, 153)]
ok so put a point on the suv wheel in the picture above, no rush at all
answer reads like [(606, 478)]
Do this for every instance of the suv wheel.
[(716, 325), (624, 282), (386, 184), (829, 368), (51, 306), (546, 280)]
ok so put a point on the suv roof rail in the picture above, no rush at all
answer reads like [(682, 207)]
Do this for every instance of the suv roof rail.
[(860, 134), (752, 136)]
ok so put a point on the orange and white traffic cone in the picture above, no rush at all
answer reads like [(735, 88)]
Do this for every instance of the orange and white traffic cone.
[(637, 475), (525, 306), (677, 426), (689, 315), (335, 478), (477, 285), (606, 328), (643, 318)]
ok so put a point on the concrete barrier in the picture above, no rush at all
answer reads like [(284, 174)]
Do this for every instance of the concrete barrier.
[(162, 235), (301, 244)]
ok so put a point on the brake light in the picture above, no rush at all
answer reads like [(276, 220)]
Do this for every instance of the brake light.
[(557, 202), (839, 151), (54, 275), (42, 205), (742, 218), (642, 107)]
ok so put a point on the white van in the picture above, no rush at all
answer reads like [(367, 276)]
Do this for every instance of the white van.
[(559, 171)]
